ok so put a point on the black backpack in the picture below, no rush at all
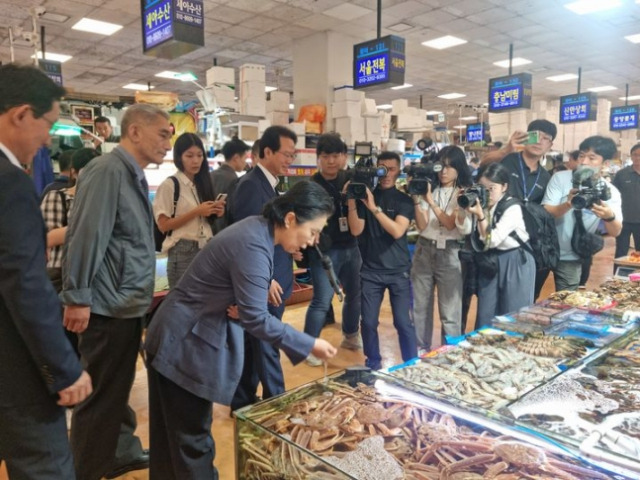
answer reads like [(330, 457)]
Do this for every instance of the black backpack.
[(158, 236), (541, 227)]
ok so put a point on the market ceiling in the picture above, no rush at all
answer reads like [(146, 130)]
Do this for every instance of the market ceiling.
[(555, 40)]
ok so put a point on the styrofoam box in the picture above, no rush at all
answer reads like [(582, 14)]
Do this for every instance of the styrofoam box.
[(299, 128), (278, 102), (345, 108), (408, 121), (276, 107), (412, 111), (262, 126), (278, 118), (306, 157), (350, 126), (250, 72), (369, 108), (348, 94), (399, 106), (221, 75), (222, 93), (373, 125), (252, 90), (253, 106), (350, 140)]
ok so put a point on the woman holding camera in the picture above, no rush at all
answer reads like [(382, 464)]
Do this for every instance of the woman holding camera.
[(442, 228), (506, 268)]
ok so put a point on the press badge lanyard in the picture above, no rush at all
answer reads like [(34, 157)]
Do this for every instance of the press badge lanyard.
[(524, 180)]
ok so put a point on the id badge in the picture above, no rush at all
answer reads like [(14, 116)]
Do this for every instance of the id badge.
[(441, 243), (344, 225)]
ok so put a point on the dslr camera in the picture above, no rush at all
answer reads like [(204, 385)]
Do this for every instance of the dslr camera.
[(591, 189), (426, 171), (363, 177), (473, 194)]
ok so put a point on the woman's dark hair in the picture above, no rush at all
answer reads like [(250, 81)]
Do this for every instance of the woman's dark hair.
[(453, 156), (496, 173), (202, 179), (82, 156), (307, 200)]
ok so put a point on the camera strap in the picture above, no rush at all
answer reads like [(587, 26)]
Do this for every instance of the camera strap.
[(526, 195)]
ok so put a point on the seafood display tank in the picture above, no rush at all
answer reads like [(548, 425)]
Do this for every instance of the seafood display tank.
[(359, 424)]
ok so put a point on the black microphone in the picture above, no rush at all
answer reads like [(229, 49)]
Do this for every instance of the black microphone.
[(327, 265)]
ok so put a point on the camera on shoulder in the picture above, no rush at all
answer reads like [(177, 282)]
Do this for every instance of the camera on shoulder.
[(362, 177)]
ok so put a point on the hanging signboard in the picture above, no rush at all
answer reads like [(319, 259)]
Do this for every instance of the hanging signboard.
[(171, 28), (624, 118), (379, 63), (53, 70), (581, 107), (475, 132), (510, 92)]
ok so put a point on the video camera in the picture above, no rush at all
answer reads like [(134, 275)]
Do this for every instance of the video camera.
[(362, 177), (591, 189), (473, 194), (426, 171)]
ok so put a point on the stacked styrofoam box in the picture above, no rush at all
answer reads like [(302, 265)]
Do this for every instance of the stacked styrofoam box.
[(369, 108), (346, 111), (221, 76), (299, 128), (406, 117), (225, 96), (351, 129), (252, 90), (373, 130), (278, 118), (220, 83)]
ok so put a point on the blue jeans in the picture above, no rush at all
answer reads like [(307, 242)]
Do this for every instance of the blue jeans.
[(373, 288), (346, 264)]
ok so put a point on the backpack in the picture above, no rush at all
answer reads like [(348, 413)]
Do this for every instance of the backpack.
[(158, 236), (541, 227)]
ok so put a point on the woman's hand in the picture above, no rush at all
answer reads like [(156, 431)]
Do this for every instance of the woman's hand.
[(219, 207), (323, 349), (232, 312), (428, 197), (206, 209), (476, 209)]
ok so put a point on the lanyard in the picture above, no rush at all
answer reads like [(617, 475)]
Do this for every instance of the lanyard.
[(524, 180)]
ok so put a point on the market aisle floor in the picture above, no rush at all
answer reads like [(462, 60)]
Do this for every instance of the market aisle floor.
[(223, 426)]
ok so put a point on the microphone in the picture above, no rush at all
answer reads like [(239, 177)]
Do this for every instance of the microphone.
[(327, 265)]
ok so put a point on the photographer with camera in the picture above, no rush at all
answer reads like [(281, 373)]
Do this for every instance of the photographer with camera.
[(506, 267), (442, 228), (579, 200), (380, 220)]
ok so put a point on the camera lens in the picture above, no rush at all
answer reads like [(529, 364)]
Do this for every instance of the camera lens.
[(381, 171), (581, 201), (467, 199)]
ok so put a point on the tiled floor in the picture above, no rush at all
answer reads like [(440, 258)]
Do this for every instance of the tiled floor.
[(223, 425)]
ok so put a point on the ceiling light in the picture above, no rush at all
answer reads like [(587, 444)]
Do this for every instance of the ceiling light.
[(605, 88), (291, 106), (582, 7), (444, 42), (516, 62), (434, 112), (460, 127), (385, 106), (57, 57), (471, 117), (451, 96), (633, 38), (96, 26), (632, 97), (185, 77), (137, 86), (562, 78), (399, 87), (270, 89), (400, 27)]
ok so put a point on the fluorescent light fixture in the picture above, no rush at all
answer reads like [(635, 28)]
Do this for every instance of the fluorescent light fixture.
[(96, 26), (604, 88), (470, 117), (291, 106), (460, 127), (451, 96), (631, 97), (516, 62), (441, 43), (270, 89), (185, 77), (582, 7), (434, 112), (563, 77), (137, 86), (633, 38), (385, 106), (400, 87), (57, 57)]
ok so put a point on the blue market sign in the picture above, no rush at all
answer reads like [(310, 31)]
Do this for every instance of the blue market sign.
[(624, 118), (379, 63), (475, 132), (171, 28), (510, 92), (581, 107), (53, 70)]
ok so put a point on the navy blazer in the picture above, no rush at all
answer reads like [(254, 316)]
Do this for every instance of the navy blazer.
[(193, 342), (252, 191), (36, 359)]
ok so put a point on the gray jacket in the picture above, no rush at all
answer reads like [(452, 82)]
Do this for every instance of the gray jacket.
[(109, 254)]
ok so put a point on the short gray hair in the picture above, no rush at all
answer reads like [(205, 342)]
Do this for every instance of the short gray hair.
[(140, 112)]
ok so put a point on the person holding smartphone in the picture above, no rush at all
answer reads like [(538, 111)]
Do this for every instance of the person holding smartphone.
[(188, 224)]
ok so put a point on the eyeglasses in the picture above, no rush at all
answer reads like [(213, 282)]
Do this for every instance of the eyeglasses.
[(48, 120), (290, 156)]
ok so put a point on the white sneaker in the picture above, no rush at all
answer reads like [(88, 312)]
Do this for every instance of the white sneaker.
[(352, 341), (313, 361)]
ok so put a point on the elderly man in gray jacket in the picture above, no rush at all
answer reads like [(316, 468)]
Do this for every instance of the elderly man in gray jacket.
[(108, 277)]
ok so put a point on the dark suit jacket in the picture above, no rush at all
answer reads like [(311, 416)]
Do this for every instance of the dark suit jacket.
[(36, 359), (192, 340), (252, 191), (223, 180)]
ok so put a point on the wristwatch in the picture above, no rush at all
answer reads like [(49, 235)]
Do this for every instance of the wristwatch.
[(377, 210)]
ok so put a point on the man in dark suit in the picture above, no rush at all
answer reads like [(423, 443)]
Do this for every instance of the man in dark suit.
[(257, 187), (36, 359)]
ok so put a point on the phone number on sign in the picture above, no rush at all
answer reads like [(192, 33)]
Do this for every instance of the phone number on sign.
[(188, 19)]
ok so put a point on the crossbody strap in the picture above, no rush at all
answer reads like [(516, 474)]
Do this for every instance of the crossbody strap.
[(176, 196)]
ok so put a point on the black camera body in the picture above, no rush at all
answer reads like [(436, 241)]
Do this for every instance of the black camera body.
[(473, 194), (591, 189), (426, 171), (362, 177)]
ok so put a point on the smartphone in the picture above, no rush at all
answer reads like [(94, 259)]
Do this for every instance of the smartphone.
[(221, 196), (533, 137)]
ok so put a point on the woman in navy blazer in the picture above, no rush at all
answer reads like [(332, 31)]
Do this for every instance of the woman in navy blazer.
[(195, 351)]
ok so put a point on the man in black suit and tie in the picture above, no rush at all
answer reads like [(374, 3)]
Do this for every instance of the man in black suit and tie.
[(39, 371), (257, 187)]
